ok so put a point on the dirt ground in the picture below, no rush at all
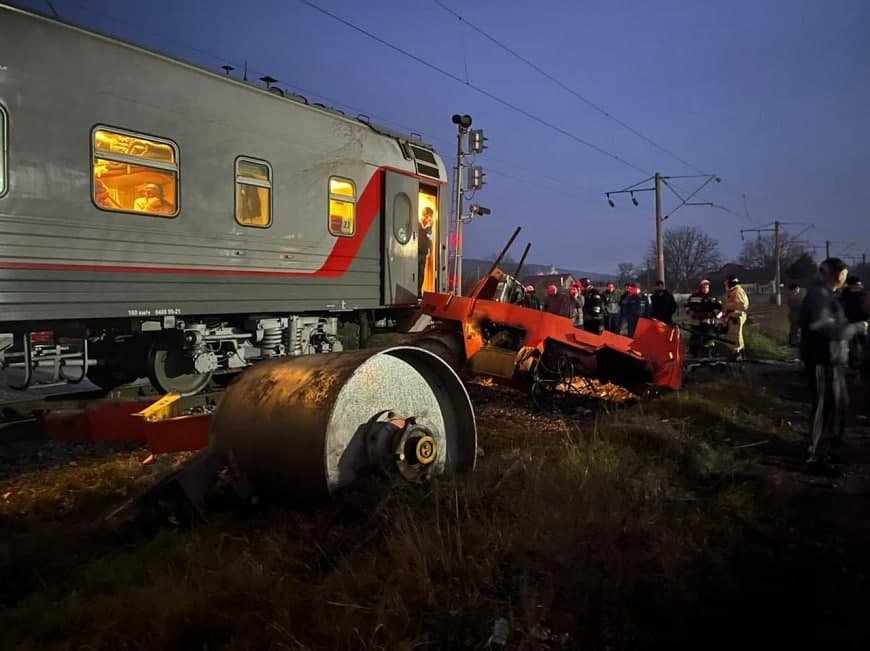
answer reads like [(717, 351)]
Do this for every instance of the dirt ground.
[(681, 522)]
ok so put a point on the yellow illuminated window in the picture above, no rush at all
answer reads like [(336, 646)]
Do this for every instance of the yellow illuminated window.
[(342, 207), (2, 151), (135, 173), (253, 192)]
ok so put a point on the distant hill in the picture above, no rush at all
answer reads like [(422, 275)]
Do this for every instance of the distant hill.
[(473, 267)]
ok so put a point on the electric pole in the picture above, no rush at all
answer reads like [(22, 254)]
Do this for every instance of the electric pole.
[(660, 231), (777, 250), (659, 182), (827, 249)]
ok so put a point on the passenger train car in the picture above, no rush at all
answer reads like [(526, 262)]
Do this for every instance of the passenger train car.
[(179, 223)]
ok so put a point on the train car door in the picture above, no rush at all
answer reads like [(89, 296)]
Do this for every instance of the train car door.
[(401, 240), (430, 238)]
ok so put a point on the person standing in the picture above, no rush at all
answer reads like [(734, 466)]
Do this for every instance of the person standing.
[(611, 308), (704, 309), (855, 306), (736, 308), (631, 307), (794, 314), (664, 305), (530, 300), (556, 303), (593, 309), (576, 302), (825, 335), (424, 246)]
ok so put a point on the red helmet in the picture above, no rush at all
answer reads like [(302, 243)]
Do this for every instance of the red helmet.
[(552, 290), (583, 283)]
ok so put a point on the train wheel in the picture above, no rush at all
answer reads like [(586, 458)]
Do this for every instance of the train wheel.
[(119, 362), (170, 369)]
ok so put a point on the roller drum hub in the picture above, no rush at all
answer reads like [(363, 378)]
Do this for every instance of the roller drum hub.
[(305, 427)]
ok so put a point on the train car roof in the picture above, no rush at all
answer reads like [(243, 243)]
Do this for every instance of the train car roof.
[(280, 94)]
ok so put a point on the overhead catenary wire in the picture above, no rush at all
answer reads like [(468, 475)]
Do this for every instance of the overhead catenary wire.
[(482, 91), (585, 100)]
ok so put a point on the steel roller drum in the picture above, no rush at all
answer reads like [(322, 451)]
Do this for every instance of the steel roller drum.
[(305, 427)]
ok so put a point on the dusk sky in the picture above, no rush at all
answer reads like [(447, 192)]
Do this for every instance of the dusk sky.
[(772, 95)]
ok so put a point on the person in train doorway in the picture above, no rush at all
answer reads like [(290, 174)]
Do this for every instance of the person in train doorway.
[(424, 245), (793, 303), (576, 300), (736, 312), (610, 298), (825, 336), (664, 305), (556, 303), (631, 308), (530, 300), (704, 309), (855, 305), (593, 307)]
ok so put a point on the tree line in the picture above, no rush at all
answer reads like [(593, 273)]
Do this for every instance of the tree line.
[(692, 254)]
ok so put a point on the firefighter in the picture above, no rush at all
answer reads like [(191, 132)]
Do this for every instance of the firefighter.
[(557, 303), (825, 335), (704, 309), (855, 305), (530, 300), (611, 308), (736, 308), (794, 314), (593, 308), (663, 304)]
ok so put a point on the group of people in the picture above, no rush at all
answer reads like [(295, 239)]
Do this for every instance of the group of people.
[(710, 317), (830, 326), (613, 311)]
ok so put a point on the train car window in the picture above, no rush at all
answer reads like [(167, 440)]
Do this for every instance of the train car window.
[(402, 218), (3, 151), (253, 192), (342, 207), (135, 173)]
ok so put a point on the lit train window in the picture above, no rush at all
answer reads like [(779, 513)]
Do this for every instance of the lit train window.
[(342, 207), (2, 151), (135, 173), (253, 192)]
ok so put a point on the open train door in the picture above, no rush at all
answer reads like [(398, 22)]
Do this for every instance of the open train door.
[(402, 268)]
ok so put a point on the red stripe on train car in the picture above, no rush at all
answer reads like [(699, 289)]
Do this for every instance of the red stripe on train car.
[(343, 253)]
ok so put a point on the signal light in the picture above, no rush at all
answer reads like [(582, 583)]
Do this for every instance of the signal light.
[(476, 141), (475, 177)]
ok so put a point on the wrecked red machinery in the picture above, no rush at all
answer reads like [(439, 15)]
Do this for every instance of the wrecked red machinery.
[(490, 333)]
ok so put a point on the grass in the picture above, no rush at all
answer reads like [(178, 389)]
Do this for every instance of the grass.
[(637, 529)]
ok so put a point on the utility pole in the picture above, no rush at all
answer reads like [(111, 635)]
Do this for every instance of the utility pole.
[(659, 183), (777, 250), (827, 249), (660, 231)]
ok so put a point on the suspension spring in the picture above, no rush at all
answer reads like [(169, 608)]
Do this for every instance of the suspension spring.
[(273, 341)]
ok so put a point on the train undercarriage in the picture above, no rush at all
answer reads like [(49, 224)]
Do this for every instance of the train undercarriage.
[(175, 354)]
